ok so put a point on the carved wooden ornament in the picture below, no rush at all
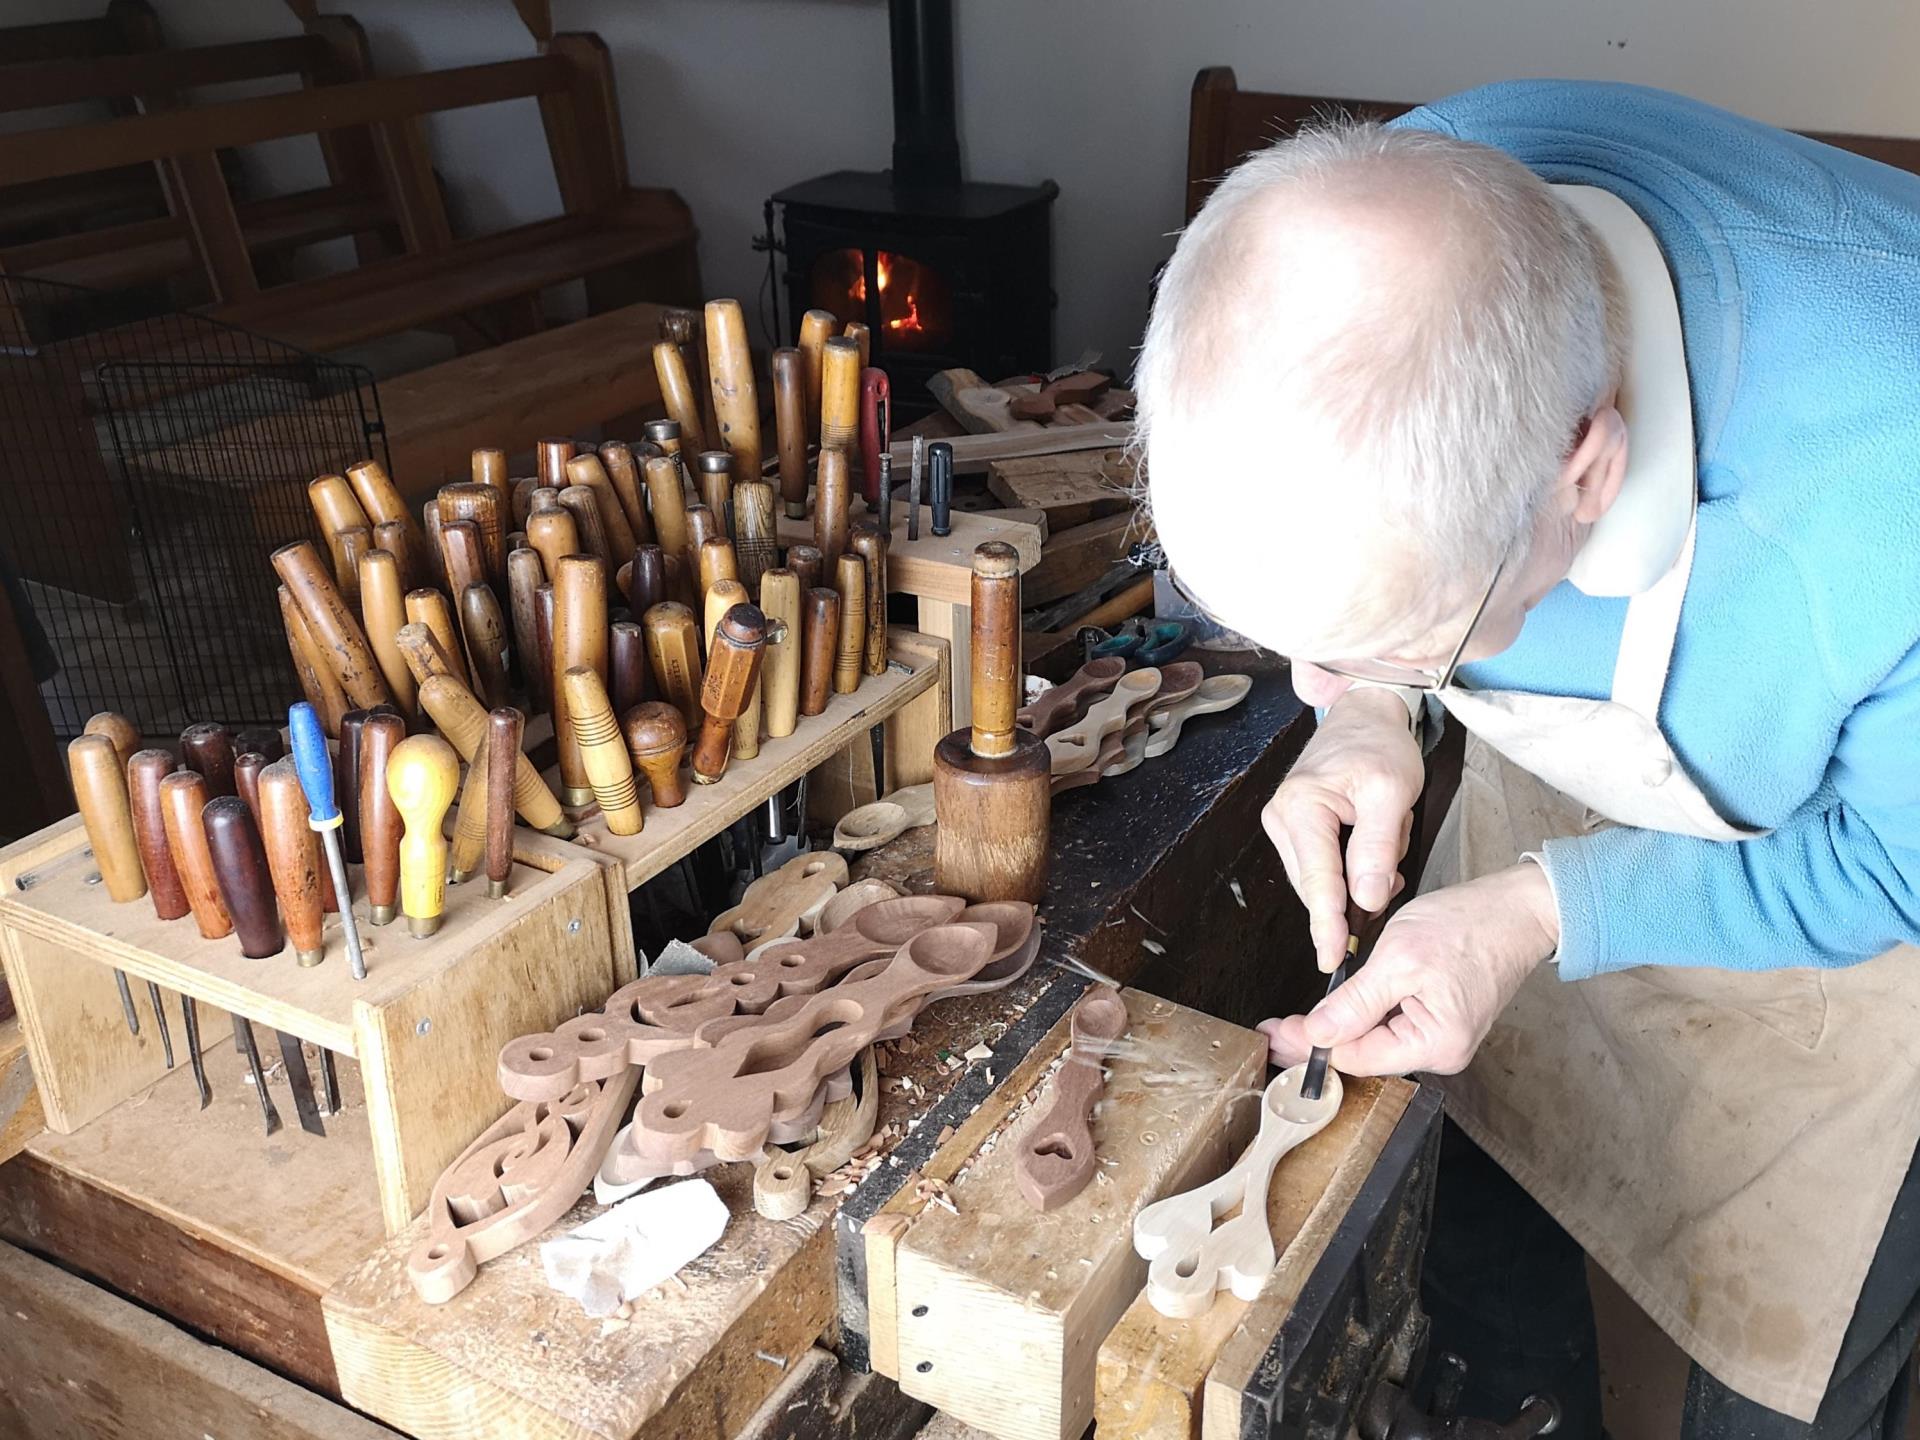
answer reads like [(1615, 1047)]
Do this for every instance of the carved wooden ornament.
[(1056, 1159)]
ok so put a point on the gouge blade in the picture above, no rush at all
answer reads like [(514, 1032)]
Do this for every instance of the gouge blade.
[(126, 1002), (243, 1038), (160, 1019), (190, 1016), (329, 1083), (300, 1081)]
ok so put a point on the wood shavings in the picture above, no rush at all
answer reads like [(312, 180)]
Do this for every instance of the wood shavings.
[(979, 1053), (1153, 947)]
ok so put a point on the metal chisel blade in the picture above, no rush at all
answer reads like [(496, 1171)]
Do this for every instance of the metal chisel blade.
[(243, 1037), (300, 1081), (190, 1016), (126, 1002), (329, 1084), (160, 1019)]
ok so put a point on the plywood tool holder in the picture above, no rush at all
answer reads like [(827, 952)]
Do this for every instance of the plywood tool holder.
[(426, 1026), (918, 668)]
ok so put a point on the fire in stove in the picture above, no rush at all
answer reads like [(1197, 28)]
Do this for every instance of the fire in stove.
[(914, 304)]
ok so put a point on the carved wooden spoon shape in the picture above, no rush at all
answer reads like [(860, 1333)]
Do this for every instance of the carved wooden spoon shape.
[(1112, 749), (1057, 1157), (800, 967), (1060, 705), (640, 1021), (1219, 692), (869, 826), (1076, 747), (1189, 1258), (778, 905)]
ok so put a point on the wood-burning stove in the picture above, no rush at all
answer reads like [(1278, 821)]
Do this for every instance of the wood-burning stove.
[(944, 271)]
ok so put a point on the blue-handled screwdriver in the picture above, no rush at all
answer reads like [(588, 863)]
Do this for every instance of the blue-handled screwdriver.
[(315, 765)]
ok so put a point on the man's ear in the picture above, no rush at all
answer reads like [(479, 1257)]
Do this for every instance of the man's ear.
[(1594, 471)]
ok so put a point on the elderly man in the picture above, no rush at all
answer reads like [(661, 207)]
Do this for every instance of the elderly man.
[(1588, 418)]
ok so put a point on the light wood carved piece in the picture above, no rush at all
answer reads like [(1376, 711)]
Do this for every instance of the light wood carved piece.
[(1191, 1255), (869, 826), (778, 905), (1077, 746), (1057, 1157), (783, 1182), (1216, 693)]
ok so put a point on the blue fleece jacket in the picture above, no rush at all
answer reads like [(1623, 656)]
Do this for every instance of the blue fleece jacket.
[(1794, 696)]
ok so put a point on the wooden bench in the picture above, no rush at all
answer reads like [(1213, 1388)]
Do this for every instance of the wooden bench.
[(144, 247), (628, 243)]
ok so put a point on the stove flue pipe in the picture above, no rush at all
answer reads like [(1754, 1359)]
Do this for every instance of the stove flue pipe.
[(926, 137)]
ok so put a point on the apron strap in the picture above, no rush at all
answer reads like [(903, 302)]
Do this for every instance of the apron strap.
[(1646, 640)]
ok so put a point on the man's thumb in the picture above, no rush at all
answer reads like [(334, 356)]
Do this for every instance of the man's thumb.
[(1349, 1012)]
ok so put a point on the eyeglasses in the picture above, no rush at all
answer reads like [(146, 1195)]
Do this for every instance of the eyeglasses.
[(1384, 672), (1416, 677)]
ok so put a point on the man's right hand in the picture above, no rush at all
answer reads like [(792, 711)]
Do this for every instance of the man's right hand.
[(1362, 768)]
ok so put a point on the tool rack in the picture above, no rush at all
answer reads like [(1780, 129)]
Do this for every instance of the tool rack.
[(424, 1028)]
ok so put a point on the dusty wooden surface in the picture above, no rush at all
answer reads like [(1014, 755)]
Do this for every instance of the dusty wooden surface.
[(21, 1117), (77, 1363)]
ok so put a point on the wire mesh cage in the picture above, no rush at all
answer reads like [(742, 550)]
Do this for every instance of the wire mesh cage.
[(147, 469)]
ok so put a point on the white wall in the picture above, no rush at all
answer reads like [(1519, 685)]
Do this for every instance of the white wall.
[(727, 100)]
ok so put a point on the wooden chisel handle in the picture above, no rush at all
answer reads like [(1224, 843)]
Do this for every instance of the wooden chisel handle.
[(733, 671), (463, 556), (293, 858), (603, 751), (816, 326), (736, 396), (840, 367), (488, 466), (208, 749), (421, 776), (552, 534), (871, 546), (100, 789), (876, 427), (755, 539), (350, 547), (505, 731), (183, 795), (629, 678), (790, 427), (485, 629), (383, 606), (851, 654), (579, 502), (379, 821), (342, 643), (461, 719), (526, 573), (346, 783), (247, 765), (717, 562), (337, 509), (485, 508), (677, 394), (656, 736), (831, 498), (551, 455), (862, 337), (819, 642), (667, 493), (124, 734), (624, 474), (379, 497), (469, 848), (145, 771), (240, 869), (996, 649), (808, 566), (673, 650), (713, 477), (429, 607), (646, 580), (398, 539), (780, 666)]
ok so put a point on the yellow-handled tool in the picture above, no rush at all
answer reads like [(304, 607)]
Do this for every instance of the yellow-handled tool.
[(422, 774)]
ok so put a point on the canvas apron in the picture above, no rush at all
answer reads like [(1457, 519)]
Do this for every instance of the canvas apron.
[(1726, 1145)]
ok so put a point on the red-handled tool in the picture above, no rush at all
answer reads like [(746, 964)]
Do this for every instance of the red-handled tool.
[(876, 430)]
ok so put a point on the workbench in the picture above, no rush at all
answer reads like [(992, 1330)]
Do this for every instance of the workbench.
[(1162, 878)]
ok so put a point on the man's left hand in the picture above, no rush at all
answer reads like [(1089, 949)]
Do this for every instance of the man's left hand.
[(1439, 975)]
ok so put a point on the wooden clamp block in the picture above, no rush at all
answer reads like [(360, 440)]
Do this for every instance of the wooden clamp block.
[(998, 1311), (1156, 1377)]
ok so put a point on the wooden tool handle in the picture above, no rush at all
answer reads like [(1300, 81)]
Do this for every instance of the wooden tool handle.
[(876, 421), (526, 573), (673, 650), (144, 772), (871, 546), (808, 566), (379, 821), (260, 740), (755, 533), (433, 552), (336, 508), (656, 736), (488, 466), (851, 653), (100, 789), (604, 751), (463, 555), (346, 782), (421, 776), (379, 497), (832, 495), (485, 629), (733, 670), (183, 795), (717, 562), (543, 638), (460, 718), (736, 397), (468, 849), (816, 326), (550, 456), (624, 472), (713, 477), (484, 507), (702, 525), (429, 607), (383, 605), (668, 496), (505, 730), (862, 337), (663, 435), (629, 681), (240, 869), (646, 580), (348, 547), (790, 426), (996, 648), (317, 680), (780, 666), (819, 643), (208, 748), (677, 394), (840, 394), (293, 857), (552, 534), (579, 502), (423, 652), (579, 638), (247, 765), (338, 635), (124, 734), (397, 538), (588, 472)]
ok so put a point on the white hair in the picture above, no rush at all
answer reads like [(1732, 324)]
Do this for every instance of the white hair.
[(1421, 322)]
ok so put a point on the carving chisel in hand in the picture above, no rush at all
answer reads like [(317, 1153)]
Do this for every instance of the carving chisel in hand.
[(1357, 920), (316, 779)]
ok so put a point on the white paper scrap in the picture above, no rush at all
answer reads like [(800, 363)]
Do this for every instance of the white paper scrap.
[(635, 1245)]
